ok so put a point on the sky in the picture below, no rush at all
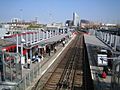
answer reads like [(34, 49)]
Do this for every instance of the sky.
[(48, 11)]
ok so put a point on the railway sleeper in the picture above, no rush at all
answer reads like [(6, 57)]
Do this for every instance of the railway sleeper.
[(77, 88), (63, 85)]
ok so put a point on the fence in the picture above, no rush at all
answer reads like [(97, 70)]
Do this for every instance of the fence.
[(28, 78)]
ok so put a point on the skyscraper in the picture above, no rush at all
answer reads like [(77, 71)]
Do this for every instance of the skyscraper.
[(76, 19)]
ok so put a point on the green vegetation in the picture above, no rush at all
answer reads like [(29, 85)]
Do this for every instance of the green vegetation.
[(33, 26), (36, 26)]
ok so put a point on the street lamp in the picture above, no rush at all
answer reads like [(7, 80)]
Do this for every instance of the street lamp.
[(17, 43), (21, 10), (22, 43), (3, 66)]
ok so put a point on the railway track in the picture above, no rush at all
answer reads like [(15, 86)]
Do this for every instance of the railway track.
[(70, 73)]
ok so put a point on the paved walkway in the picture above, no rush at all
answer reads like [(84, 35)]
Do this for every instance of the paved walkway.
[(92, 44)]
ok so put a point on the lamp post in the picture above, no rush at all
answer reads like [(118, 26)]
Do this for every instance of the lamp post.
[(17, 44), (22, 58), (21, 10), (3, 66), (22, 42)]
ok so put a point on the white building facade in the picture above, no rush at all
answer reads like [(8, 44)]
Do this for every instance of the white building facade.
[(76, 19)]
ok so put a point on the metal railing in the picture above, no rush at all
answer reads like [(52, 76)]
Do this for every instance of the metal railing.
[(28, 78)]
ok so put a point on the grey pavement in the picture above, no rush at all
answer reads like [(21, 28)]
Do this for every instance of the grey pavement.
[(91, 39), (93, 44)]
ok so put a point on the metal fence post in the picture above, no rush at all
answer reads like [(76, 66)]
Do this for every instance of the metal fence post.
[(29, 78), (33, 72), (24, 80)]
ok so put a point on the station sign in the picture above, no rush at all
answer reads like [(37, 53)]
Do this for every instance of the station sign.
[(102, 60), (22, 60)]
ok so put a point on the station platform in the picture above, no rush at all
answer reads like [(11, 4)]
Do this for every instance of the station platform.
[(37, 69), (92, 45), (47, 62)]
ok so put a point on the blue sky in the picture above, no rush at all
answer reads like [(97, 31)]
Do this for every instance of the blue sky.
[(60, 10)]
